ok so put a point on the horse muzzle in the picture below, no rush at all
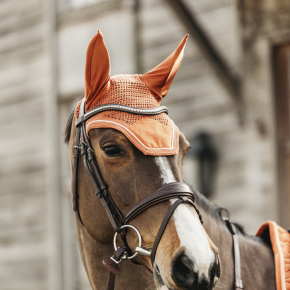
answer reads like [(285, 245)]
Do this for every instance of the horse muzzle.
[(186, 275)]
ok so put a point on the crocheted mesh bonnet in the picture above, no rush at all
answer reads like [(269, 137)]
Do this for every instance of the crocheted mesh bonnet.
[(153, 135)]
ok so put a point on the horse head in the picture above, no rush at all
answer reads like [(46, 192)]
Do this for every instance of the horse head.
[(137, 155)]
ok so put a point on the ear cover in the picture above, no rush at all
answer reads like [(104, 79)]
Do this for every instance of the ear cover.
[(97, 71), (159, 79)]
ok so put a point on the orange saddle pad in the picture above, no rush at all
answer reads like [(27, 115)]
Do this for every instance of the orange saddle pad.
[(280, 240)]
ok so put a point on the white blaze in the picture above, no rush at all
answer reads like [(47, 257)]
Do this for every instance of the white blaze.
[(189, 229), (192, 236), (165, 169)]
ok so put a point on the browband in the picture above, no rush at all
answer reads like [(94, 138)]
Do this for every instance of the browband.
[(121, 108)]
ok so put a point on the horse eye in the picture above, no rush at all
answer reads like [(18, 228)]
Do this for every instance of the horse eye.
[(112, 151)]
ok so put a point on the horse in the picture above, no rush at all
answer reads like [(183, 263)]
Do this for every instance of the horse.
[(189, 255)]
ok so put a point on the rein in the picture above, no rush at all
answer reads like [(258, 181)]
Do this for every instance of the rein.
[(175, 190)]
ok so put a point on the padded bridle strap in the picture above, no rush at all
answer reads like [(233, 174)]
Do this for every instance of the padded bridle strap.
[(168, 191)]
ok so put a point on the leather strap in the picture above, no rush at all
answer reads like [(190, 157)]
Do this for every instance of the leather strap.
[(91, 166), (75, 172), (112, 265), (168, 191), (162, 228), (237, 258)]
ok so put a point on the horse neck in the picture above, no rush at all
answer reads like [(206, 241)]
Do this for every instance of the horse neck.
[(257, 262)]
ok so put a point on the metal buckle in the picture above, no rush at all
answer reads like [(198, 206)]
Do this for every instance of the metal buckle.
[(90, 149), (83, 143), (224, 214), (138, 249), (117, 262)]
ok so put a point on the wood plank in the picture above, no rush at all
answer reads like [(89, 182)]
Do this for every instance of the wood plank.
[(22, 236), (20, 21), (196, 110), (8, 7), (16, 75), (23, 163), (21, 39), (88, 12), (197, 88), (23, 55), (16, 112), (28, 91), (28, 272), (205, 6), (224, 123), (229, 80), (21, 184)]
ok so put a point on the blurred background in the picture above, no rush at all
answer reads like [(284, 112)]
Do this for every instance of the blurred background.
[(230, 98)]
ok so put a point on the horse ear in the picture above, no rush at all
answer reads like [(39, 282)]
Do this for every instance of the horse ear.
[(160, 78), (97, 72)]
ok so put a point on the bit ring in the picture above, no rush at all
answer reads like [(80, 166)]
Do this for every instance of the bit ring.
[(138, 234)]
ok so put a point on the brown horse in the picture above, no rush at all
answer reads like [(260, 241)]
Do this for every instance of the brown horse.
[(185, 248), (186, 257)]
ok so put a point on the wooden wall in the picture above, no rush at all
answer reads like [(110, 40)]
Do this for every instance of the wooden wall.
[(197, 102), (265, 25), (23, 225), (42, 62)]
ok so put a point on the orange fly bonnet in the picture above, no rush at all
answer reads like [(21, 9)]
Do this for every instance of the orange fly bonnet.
[(153, 134)]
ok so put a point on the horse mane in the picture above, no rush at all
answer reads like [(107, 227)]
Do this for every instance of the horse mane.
[(214, 210), (68, 128)]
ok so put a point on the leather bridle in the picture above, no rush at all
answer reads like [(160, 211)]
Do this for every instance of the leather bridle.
[(178, 191)]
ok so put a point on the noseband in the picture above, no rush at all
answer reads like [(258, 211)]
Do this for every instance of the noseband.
[(180, 192)]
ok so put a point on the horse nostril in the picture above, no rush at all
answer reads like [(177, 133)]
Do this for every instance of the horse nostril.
[(215, 270), (157, 270), (184, 272)]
